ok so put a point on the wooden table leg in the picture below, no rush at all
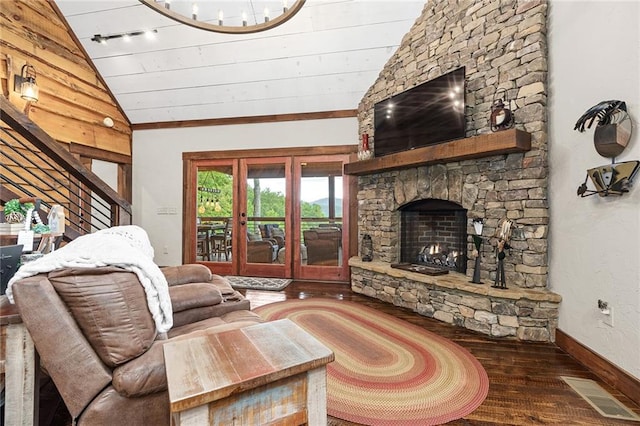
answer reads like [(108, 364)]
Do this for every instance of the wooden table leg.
[(21, 392), (317, 396)]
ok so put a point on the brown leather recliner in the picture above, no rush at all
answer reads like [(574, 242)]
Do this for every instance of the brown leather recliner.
[(323, 246), (98, 342), (261, 250)]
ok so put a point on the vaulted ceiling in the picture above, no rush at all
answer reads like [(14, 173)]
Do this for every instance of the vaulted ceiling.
[(323, 59)]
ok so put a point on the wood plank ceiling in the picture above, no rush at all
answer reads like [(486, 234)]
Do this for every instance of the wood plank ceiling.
[(323, 59)]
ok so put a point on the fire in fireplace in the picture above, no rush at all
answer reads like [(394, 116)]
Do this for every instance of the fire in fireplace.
[(434, 232)]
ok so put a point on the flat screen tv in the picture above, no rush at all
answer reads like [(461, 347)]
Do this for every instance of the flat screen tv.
[(427, 114)]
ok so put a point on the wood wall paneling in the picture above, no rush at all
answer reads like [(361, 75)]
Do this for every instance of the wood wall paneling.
[(73, 100)]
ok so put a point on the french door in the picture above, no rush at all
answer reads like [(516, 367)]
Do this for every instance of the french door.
[(210, 196), (268, 216), (265, 217), (321, 226)]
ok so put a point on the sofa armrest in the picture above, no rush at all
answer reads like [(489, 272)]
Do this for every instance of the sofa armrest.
[(143, 375), (147, 374), (278, 240)]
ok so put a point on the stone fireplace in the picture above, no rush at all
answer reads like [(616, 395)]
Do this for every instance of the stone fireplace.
[(488, 176)]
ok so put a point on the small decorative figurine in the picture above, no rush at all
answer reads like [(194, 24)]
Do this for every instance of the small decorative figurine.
[(501, 117), (504, 235)]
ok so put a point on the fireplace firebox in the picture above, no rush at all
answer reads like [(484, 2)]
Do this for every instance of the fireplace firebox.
[(434, 233)]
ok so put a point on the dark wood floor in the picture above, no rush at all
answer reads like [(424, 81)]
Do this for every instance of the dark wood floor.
[(524, 378)]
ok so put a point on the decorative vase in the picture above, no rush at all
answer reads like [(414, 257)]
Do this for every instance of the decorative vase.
[(365, 153)]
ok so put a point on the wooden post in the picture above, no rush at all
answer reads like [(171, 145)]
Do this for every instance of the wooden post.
[(21, 395)]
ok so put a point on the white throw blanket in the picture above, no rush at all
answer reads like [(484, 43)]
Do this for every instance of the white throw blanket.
[(127, 247)]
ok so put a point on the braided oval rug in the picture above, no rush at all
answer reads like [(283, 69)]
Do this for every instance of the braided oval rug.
[(387, 371)]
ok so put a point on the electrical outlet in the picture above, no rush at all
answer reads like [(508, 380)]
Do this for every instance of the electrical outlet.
[(607, 317), (165, 250)]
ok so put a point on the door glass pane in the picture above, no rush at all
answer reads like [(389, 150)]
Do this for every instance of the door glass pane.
[(214, 200), (321, 214), (266, 189)]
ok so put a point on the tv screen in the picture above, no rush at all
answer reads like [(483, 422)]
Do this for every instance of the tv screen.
[(427, 114)]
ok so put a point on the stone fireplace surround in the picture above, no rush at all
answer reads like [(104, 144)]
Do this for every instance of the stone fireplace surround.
[(526, 311), (502, 45)]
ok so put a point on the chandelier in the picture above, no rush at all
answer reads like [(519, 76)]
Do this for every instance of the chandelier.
[(225, 16)]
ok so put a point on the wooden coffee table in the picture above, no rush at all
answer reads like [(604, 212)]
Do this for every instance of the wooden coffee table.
[(270, 373)]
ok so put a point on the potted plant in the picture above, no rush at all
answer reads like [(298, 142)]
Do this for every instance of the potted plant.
[(15, 211)]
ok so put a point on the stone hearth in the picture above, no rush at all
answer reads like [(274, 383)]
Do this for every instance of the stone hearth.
[(526, 314)]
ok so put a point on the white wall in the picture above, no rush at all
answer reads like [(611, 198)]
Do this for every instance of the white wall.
[(157, 166), (594, 251)]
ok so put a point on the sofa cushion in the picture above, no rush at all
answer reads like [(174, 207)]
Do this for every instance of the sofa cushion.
[(310, 235), (223, 285), (277, 232), (192, 273), (194, 295), (110, 307)]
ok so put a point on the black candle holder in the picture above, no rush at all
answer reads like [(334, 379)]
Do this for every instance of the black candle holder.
[(478, 225), (500, 281)]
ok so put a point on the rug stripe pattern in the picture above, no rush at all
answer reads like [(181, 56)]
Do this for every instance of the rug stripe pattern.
[(387, 371)]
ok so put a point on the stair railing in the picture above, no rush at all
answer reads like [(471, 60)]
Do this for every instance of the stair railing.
[(35, 165)]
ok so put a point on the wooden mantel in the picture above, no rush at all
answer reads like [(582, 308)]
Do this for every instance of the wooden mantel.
[(504, 142)]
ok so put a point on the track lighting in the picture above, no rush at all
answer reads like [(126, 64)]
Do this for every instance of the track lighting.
[(102, 39)]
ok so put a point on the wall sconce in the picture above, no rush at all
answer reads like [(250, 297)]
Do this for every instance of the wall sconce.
[(478, 226), (25, 83), (611, 179), (611, 137)]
